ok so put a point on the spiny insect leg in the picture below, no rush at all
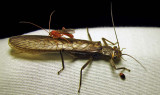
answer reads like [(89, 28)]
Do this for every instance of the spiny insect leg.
[(62, 62), (80, 82), (89, 36), (114, 66), (105, 42)]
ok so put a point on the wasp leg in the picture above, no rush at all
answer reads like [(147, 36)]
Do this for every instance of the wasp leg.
[(105, 43), (55, 40), (89, 36), (80, 82), (114, 66), (62, 62)]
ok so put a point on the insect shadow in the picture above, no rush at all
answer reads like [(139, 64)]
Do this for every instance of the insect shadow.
[(38, 56)]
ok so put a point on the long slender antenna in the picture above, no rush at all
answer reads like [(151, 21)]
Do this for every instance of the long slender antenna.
[(114, 26), (135, 60), (50, 19), (33, 24)]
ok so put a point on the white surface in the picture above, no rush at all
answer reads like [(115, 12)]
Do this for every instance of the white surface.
[(37, 74)]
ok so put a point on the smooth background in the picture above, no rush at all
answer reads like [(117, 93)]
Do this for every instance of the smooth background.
[(76, 14)]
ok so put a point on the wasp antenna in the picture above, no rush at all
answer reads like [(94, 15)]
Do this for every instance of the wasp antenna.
[(114, 26), (50, 19), (33, 25), (135, 60)]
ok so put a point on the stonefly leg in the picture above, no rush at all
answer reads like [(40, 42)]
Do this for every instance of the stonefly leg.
[(105, 43), (62, 62), (80, 82), (89, 36), (114, 66)]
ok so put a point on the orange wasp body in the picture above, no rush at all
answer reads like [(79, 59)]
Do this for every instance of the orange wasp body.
[(61, 33), (56, 33)]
